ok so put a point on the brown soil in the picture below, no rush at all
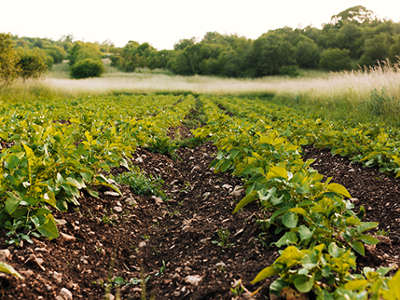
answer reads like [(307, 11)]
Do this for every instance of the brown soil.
[(133, 236)]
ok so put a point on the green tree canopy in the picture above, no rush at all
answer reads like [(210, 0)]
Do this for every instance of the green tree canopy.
[(375, 49), (356, 14), (270, 53), (335, 59)]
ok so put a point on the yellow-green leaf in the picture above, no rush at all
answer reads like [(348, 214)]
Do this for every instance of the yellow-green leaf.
[(339, 189)]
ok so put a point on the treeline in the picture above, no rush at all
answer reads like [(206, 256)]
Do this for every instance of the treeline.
[(354, 37)]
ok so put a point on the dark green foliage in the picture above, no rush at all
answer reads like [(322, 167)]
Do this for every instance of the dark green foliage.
[(376, 49), (87, 68), (394, 51), (307, 54), (335, 60), (271, 52)]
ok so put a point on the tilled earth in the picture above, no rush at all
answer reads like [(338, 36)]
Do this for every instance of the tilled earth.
[(173, 245)]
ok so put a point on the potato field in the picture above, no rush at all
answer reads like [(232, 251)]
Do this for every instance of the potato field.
[(184, 197)]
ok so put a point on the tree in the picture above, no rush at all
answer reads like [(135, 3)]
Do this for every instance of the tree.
[(356, 14), (270, 53), (307, 54), (335, 59), (9, 57), (57, 53), (375, 49), (182, 44), (350, 36), (81, 51), (32, 63), (394, 51)]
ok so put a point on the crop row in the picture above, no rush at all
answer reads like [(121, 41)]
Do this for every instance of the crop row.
[(52, 150), (317, 224), (369, 144)]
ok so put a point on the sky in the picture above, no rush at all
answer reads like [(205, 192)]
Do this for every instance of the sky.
[(162, 23)]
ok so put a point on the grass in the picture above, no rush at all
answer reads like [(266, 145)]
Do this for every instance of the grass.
[(371, 95), (368, 95)]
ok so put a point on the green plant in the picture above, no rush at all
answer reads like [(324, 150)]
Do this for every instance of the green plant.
[(17, 238), (140, 184), (224, 236), (32, 63), (383, 232), (162, 269), (237, 288), (7, 269), (87, 68)]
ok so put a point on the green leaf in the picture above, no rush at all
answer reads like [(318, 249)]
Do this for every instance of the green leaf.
[(277, 172), (305, 233), (367, 239), (356, 285), (366, 226), (304, 283), (339, 189), (394, 288), (246, 200), (12, 202), (290, 219), (359, 247), (277, 286), (265, 273), (49, 229), (29, 152), (5, 268), (350, 221), (334, 250), (287, 239)]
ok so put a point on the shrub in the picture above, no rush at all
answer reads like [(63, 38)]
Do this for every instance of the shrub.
[(32, 63), (87, 68)]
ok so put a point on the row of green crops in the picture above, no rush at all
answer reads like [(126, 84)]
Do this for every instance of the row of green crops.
[(317, 225), (370, 144), (52, 150)]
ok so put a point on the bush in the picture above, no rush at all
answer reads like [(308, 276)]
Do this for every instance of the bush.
[(32, 63), (87, 68)]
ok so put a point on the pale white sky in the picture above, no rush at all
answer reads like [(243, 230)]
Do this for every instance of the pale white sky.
[(162, 23)]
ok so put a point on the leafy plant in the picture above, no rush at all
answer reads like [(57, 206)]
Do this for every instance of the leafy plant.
[(224, 236), (140, 184)]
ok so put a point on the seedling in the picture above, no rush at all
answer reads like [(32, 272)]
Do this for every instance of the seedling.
[(224, 236), (383, 232), (162, 269), (237, 288)]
